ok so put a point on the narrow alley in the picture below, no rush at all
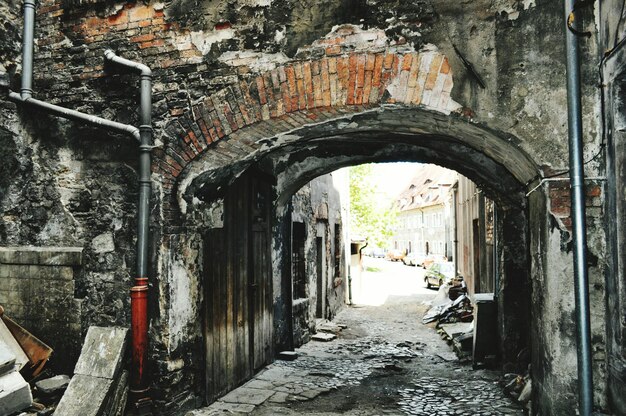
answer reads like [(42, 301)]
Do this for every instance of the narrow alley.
[(383, 361)]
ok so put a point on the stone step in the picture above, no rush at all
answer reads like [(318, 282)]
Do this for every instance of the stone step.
[(323, 336)]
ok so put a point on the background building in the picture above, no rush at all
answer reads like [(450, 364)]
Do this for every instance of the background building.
[(475, 234), (424, 217)]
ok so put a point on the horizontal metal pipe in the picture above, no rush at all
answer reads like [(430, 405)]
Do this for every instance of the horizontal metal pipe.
[(77, 115), (141, 68)]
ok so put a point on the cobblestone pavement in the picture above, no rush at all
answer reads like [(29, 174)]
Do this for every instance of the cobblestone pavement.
[(384, 363)]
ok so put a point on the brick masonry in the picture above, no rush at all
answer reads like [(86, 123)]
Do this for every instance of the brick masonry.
[(342, 73), (561, 204)]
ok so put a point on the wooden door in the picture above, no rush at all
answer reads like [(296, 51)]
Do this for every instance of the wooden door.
[(238, 288)]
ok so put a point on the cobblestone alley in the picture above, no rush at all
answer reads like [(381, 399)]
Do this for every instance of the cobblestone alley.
[(385, 361)]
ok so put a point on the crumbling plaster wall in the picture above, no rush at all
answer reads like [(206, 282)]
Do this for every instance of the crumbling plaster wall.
[(69, 185), (318, 206)]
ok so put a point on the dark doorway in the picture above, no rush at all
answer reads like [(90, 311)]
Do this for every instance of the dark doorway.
[(476, 253), (319, 309), (298, 260)]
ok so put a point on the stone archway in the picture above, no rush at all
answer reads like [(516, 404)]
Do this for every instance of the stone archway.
[(348, 72), (349, 99)]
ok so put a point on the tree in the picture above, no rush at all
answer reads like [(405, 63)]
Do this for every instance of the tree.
[(368, 217)]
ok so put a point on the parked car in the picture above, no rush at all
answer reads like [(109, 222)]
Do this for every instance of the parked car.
[(378, 253), (439, 273), (395, 255), (414, 259), (433, 258)]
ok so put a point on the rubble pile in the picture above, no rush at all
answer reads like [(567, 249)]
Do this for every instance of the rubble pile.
[(519, 387), (454, 314), (47, 393), (26, 388), (99, 385), (451, 305)]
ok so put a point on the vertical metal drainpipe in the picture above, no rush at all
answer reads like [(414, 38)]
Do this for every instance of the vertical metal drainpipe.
[(27, 49), (139, 385), (581, 280), (139, 292), (496, 256), (455, 252)]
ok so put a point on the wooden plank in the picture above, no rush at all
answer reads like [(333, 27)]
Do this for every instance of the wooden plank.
[(208, 311), (242, 280), (230, 340), (262, 275)]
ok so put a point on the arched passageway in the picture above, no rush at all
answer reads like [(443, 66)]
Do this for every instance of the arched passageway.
[(249, 239), (229, 167)]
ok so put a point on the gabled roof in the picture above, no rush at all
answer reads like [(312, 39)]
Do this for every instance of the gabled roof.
[(430, 186)]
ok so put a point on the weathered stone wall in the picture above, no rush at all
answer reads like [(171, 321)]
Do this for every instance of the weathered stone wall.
[(227, 76)]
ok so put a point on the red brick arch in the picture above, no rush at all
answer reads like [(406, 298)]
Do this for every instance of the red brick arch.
[(333, 80)]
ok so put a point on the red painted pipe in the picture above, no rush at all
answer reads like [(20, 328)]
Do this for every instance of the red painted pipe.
[(139, 328)]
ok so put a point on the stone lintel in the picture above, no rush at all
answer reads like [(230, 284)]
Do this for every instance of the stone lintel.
[(50, 256)]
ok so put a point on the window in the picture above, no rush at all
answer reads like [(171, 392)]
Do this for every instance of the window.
[(298, 266), (337, 250)]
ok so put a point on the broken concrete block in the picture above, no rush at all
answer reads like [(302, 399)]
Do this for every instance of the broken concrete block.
[(53, 385), (329, 327), (7, 338), (85, 396), (103, 352), (120, 396), (323, 336), (287, 355), (15, 393), (97, 387), (7, 359)]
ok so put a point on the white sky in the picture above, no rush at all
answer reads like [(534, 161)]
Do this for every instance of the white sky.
[(392, 178)]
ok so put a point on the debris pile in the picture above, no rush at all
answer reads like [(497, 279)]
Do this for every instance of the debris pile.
[(519, 387), (99, 385), (451, 305), (454, 314), (22, 361)]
